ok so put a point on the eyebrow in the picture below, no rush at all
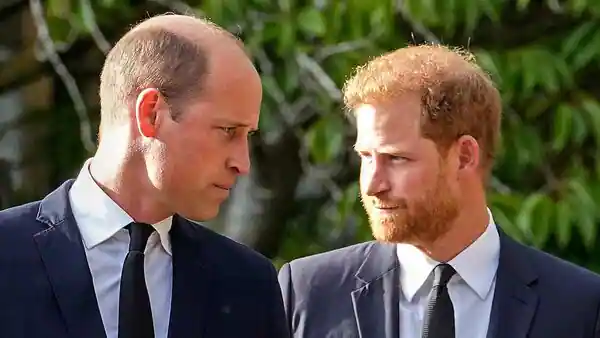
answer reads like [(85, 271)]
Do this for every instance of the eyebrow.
[(383, 150), (237, 125)]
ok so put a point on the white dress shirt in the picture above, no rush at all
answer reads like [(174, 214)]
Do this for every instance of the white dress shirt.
[(471, 289), (101, 223)]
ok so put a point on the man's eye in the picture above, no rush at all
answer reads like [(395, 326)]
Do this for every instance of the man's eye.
[(396, 158), (228, 130)]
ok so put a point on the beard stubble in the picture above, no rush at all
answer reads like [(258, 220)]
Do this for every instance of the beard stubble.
[(422, 220)]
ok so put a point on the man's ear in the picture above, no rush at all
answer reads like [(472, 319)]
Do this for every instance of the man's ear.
[(146, 109), (469, 153)]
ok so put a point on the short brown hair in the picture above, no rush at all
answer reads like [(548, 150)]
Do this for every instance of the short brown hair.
[(150, 57), (458, 97)]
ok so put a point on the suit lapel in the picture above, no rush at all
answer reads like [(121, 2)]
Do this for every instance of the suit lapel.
[(191, 301), (515, 298), (377, 295), (63, 256)]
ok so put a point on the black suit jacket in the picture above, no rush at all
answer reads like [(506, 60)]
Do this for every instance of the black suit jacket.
[(220, 288), (354, 292)]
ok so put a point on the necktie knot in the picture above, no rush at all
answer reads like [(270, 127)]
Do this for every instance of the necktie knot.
[(442, 274), (139, 234)]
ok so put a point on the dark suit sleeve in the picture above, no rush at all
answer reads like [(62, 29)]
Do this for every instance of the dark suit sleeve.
[(278, 323)]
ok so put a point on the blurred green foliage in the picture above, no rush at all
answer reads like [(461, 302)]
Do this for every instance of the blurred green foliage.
[(544, 56)]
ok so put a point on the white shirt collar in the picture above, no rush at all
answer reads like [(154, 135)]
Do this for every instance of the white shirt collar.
[(476, 264), (103, 217)]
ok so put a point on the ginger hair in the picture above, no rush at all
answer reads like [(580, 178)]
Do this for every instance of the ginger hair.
[(457, 97)]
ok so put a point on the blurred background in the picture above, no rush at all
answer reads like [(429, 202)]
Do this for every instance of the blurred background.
[(302, 195)]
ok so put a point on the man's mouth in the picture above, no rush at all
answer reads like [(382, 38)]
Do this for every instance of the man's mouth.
[(385, 207), (224, 186)]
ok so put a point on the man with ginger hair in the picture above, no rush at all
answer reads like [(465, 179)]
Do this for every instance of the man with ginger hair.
[(428, 120), (113, 253)]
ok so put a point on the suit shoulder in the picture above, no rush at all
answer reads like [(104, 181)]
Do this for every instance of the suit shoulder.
[(18, 225), (233, 251), (352, 253), (19, 211), (18, 216), (338, 264), (551, 266)]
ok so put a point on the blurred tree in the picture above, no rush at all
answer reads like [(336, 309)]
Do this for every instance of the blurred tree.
[(302, 196)]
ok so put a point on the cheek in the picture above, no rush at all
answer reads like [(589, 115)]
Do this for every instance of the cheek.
[(412, 182), (173, 158), (202, 155), (156, 164)]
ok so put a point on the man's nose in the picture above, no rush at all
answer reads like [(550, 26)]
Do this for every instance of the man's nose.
[(375, 179), (240, 160)]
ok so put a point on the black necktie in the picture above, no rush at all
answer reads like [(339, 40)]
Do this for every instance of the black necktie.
[(439, 318), (135, 314)]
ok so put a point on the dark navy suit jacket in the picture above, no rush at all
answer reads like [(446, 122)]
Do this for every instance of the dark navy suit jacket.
[(221, 288), (353, 292)]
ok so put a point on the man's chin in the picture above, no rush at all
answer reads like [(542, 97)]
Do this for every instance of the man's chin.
[(387, 232)]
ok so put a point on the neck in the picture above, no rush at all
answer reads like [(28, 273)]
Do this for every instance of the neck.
[(123, 178), (466, 229)]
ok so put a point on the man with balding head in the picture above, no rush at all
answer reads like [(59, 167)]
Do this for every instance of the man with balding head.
[(112, 253)]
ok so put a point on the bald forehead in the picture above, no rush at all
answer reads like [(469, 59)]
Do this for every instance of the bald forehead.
[(188, 26), (224, 52), (213, 39)]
